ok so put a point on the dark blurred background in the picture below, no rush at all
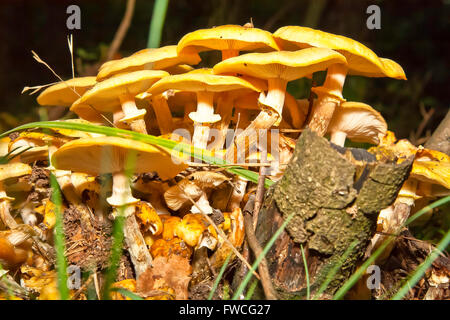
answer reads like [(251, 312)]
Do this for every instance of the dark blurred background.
[(414, 33)]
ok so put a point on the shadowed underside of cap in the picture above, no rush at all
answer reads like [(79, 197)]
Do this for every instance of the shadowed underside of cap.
[(287, 65)]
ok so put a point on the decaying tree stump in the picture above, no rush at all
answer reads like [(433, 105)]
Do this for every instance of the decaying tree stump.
[(334, 195)]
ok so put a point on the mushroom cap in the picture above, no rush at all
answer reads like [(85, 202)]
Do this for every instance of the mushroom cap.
[(359, 121), (287, 65), (14, 170), (151, 58), (204, 80), (360, 59), (432, 167), (104, 96), (228, 37), (62, 93), (108, 155)]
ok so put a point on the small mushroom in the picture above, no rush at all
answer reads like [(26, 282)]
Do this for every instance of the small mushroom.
[(358, 122), (149, 218), (7, 171), (194, 230), (117, 94), (15, 248), (229, 39), (235, 234), (195, 187)]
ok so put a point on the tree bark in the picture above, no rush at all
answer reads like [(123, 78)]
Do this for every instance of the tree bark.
[(334, 195), (440, 140)]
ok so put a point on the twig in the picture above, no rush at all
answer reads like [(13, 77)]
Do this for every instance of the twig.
[(259, 196), (440, 139), (415, 136), (122, 31), (266, 282), (83, 287)]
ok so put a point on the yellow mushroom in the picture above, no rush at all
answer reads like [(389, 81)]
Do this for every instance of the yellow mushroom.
[(360, 60)]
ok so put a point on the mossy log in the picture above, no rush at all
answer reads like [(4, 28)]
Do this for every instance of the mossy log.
[(334, 196)]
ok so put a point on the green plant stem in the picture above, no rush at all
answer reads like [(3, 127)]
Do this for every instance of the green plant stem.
[(305, 264), (157, 23), (61, 263), (219, 277)]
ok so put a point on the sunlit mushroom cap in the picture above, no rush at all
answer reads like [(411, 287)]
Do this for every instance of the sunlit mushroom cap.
[(431, 166), (287, 65), (14, 170), (228, 37), (104, 96), (109, 155), (62, 93), (204, 80), (360, 59), (359, 121), (147, 59)]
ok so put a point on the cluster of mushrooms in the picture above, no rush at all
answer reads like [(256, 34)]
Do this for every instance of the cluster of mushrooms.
[(174, 209)]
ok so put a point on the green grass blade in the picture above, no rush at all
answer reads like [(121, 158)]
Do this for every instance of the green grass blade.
[(116, 253), (308, 292), (186, 149), (417, 275), (266, 249), (157, 23), (251, 289), (118, 234), (219, 277), (61, 263)]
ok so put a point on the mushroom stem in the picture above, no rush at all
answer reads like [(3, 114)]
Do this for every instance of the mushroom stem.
[(329, 96), (122, 197), (121, 191), (263, 121), (163, 114), (238, 193), (203, 115), (338, 138), (224, 109), (275, 95), (229, 53), (117, 116), (132, 113)]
